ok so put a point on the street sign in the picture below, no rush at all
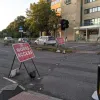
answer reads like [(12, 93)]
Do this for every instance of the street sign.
[(20, 29), (60, 41), (23, 51)]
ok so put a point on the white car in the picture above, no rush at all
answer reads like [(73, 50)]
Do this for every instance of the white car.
[(24, 40), (9, 39), (45, 40)]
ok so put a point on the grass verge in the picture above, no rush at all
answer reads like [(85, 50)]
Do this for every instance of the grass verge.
[(51, 48)]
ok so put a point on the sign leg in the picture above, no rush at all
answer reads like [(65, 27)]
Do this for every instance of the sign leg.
[(12, 65), (20, 65), (35, 67), (26, 68)]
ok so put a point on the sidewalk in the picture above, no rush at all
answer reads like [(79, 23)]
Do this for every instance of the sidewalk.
[(82, 42), (30, 95)]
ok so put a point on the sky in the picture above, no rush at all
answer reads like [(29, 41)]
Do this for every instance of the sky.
[(10, 9)]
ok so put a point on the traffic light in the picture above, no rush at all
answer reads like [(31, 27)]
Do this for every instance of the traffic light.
[(64, 24)]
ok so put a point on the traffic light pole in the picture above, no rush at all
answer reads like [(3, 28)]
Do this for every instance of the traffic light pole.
[(64, 26), (65, 33), (21, 34), (65, 40)]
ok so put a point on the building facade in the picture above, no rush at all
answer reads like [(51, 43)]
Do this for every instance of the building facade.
[(90, 20), (56, 6), (71, 12), (84, 19)]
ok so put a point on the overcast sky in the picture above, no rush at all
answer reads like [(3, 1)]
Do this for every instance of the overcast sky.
[(10, 9)]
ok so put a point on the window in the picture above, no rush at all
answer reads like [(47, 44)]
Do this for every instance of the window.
[(55, 2), (87, 22), (94, 21), (67, 2), (51, 38), (52, 3), (58, 9), (98, 8), (91, 10), (95, 9), (99, 21), (86, 11), (88, 1)]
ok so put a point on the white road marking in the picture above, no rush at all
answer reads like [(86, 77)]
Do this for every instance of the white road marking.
[(9, 80)]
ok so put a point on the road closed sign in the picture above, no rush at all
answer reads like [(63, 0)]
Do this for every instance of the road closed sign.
[(60, 41), (23, 51)]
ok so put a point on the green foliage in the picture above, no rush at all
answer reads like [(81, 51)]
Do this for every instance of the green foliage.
[(40, 17), (13, 28), (16, 35), (52, 49)]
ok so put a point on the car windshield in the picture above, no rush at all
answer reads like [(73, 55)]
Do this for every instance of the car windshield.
[(9, 38), (51, 38), (25, 39)]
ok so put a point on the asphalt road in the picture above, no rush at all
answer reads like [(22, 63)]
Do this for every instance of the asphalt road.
[(66, 76), (83, 46)]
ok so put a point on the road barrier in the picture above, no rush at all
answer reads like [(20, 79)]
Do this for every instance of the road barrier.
[(23, 52)]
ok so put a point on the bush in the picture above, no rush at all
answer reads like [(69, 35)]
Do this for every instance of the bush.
[(69, 51), (38, 48), (52, 49)]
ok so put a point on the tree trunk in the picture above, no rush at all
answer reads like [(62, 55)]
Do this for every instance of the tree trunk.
[(41, 33)]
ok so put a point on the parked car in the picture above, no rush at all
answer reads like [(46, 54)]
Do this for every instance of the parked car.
[(9, 40), (45, 40), (24, 40)]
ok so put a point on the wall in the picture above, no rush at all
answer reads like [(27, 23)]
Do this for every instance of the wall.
[(72, 13), (91, 5)]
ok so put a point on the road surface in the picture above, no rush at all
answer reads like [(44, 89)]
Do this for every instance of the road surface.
[(65, 76)]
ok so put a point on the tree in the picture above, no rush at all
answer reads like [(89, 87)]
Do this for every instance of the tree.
[(40, 17), (54, 22), (13, 28)]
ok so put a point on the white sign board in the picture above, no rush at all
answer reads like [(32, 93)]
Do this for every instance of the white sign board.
[(20, 30)]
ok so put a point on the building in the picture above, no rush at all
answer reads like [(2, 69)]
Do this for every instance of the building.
[(56, 5), (84, 19), (90, 20), (71, 12)]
